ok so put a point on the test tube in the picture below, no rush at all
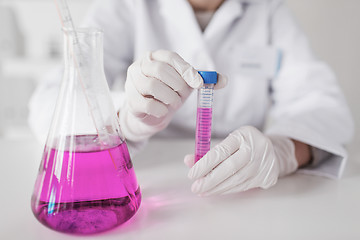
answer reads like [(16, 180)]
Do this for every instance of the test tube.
[(204, 114)]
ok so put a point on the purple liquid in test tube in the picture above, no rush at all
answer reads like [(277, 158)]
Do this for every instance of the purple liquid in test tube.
[(204, 114)]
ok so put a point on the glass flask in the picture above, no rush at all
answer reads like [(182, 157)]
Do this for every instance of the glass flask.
[(86, 181)]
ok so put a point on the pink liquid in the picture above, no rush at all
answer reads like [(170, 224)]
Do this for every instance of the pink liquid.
[(86, 191), (203, 132)]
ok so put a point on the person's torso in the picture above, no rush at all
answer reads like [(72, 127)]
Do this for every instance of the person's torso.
[(235, 43)]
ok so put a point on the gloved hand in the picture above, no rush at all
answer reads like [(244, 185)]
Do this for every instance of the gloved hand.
[(245, 159), (156, 86)]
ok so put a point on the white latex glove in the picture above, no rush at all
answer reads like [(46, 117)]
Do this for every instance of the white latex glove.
[(156, 86), (245, 159)]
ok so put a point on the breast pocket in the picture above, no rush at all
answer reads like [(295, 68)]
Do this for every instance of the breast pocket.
[(256, 61)]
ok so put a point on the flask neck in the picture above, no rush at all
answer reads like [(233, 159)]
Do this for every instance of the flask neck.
[(84, 49)]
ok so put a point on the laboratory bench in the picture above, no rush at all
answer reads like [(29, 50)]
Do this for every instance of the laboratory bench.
[(297, 207)]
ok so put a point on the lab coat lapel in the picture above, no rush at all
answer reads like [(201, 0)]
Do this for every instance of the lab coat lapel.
[(223, 17), (180, 14)]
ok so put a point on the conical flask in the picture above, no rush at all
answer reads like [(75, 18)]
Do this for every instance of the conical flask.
[(86, 182)]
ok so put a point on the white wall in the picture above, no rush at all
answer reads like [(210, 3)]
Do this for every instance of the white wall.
[(333, 29), (40, 23), (39, 26)]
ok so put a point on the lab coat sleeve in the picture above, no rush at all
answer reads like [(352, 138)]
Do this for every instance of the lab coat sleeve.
[(307, 103), (115, 18)]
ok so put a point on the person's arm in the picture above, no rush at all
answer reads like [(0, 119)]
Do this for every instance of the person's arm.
[(156, 87), (308, 113), (308, 105), (302, 153), (246, 159)]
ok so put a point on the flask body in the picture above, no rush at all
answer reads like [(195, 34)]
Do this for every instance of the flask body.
[(86, 181)]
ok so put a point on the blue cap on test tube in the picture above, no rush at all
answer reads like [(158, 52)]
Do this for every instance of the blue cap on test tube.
[(210, 77)]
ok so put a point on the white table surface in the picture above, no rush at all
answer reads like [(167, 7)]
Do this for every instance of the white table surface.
[(298, 207)]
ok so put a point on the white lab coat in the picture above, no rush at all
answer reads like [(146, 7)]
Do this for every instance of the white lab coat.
[(275, 82)]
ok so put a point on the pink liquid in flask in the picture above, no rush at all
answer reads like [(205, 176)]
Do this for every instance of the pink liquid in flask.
[(203, 132), (88, 190)]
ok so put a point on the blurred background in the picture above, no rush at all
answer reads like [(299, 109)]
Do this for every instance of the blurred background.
[(31, 44)]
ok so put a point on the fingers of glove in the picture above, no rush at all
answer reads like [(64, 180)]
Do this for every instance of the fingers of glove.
[(163, 73), (160, 122), (184, 69), (141, 106), (221, 81), (223, 171), (189, 160), (152, 87), (247, 178), (214, 157), (257, 173), (247, 185), (239, 178), (267, 176), (161, 92)]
